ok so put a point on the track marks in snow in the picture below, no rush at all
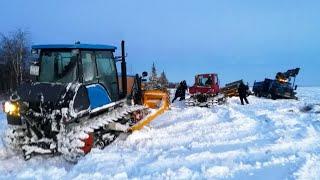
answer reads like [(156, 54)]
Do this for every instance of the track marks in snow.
[(233, 138), (310, 169), (264, 140)]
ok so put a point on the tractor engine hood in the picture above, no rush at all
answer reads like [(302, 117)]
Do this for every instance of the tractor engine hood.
[(48, 93), (46, 97)]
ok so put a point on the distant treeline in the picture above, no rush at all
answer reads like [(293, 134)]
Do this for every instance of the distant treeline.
[(14, 59)]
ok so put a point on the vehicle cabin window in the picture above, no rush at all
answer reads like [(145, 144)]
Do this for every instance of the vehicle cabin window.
[(215, 79), (204, 81), (107, 73), (58, 66), (88, 66)]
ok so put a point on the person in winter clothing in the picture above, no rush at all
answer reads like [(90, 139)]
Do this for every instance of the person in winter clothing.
[(242, 89), (209, 82), (181, 91)]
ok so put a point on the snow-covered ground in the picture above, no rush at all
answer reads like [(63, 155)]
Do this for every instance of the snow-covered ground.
[(264, 140)]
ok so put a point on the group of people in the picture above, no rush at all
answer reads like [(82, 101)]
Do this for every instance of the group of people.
[(182, 87)]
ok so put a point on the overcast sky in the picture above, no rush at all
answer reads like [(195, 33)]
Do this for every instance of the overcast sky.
[(238, 39)]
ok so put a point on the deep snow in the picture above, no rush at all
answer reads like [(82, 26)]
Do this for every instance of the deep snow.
[(264, 140)]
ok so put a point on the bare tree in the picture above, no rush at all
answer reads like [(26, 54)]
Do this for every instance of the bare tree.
[(15, 50)]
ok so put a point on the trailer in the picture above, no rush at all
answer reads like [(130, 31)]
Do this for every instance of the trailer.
[(231, 89)]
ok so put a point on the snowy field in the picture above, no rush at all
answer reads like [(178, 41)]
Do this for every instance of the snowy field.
[(264, 140)]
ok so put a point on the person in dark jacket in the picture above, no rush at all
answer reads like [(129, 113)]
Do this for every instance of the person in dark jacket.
[(181, 91), (209, 81), (242, 89)]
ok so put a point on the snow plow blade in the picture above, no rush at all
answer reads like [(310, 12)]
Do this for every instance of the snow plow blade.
[(154, 99)]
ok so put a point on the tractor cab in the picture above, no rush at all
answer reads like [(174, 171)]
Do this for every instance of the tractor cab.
[(205, 83), (82, 63), (80, 77)]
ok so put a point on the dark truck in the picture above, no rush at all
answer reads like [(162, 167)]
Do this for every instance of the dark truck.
[(279, 88)]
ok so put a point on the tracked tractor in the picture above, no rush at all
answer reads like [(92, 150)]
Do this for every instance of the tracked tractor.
[(78, 101), (205, 92)]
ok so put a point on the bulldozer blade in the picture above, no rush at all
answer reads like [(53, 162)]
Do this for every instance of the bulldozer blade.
[(158, 101)]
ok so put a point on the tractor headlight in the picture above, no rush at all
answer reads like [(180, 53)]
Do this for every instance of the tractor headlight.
[(11, 108)]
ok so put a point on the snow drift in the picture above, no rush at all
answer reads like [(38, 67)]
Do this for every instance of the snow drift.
[(266, 139)]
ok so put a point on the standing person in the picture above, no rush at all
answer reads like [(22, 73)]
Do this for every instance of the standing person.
[(209, 81), (181, 91), (242, 89)]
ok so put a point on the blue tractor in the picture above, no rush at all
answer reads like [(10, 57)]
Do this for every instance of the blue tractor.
[(279, 88), (75, 102)]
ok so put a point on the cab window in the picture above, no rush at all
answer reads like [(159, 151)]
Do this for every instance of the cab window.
[(88, 66), (58, 66), (107, 73), (205, 81)]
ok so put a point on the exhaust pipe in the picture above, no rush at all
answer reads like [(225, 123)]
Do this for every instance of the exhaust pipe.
[(123, 69)]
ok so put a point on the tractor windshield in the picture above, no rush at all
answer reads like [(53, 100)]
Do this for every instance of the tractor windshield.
[(204, 81), (58, 66)]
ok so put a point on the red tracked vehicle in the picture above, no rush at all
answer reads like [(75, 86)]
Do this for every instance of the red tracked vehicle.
[(206, 91)]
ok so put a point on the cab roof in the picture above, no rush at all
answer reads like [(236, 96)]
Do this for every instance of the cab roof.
[(75, 46), (215, 74)]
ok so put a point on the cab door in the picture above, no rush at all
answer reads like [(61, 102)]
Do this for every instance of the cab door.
[(89, 68), (98, 95), (107, 73)]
